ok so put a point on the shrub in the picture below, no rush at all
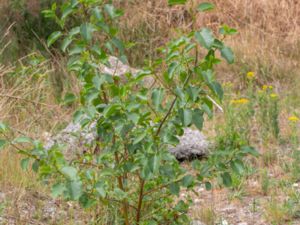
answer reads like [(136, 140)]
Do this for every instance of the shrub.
[(128, 169)]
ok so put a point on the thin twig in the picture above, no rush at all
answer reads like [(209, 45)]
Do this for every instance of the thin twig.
[(26, 100)]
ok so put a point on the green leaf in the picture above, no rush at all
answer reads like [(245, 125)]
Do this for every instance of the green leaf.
[(208, 186), (69, 172), (175, 188), (217, 88), (57, 190), (154, 163), (249, 150), (53, 37), (225, 30), (100, 189), (65, 44), (186, 117), (205, 6), (3, 127), (86, 31), (205, 38), (134, 117), (25, 163), (157, 97), (86, 201), (139, 138), (2, 143), (187, 181), (227, 54), (66, 12), (69, 98), (23, 140), (177, 2), (168, 138), (237, 166), (110, 110), (35, 166), (172, 69), (226, 178), (75, 189), (111, 11), (198, 118)]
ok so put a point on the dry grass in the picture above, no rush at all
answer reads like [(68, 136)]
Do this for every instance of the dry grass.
[(268, 39)]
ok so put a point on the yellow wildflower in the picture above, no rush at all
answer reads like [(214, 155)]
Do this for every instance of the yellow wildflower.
[(265, 87), (270, 87), (250, 75), (240, 101), (293, 119), (273, 95)]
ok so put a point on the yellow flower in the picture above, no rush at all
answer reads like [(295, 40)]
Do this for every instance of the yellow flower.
[(273, 95), (293, 119), (250, 75), (240, 101), (271, 87), (265, 87)]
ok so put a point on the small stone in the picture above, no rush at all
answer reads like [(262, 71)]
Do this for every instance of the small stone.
[(197, 222)]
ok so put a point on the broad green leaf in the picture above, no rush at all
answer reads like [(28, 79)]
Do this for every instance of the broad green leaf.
[(205, 6), (237, 166), (177, 2), (86, 31), (65, 44), (35, 166), (25, 163), (154, 163), (168, 138), (186, 117), (157, 97), (227, 181), (187, 181), (134, 117), (227, 54), (208, 186), (112, 11), (69, 172), (86, 201), (198, 118), (97, 13), (217, 88), (175, 188), (139, 138), (66, 12), (205, 38), (53, 38), (100, 189), (110, 110), (75, 189), (172, 69), (2, 143), (249, 150), (69, 98), (23, 140), (74, 31), (58, 189)]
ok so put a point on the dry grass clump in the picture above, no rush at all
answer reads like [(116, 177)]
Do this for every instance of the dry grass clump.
[(268, 40)]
